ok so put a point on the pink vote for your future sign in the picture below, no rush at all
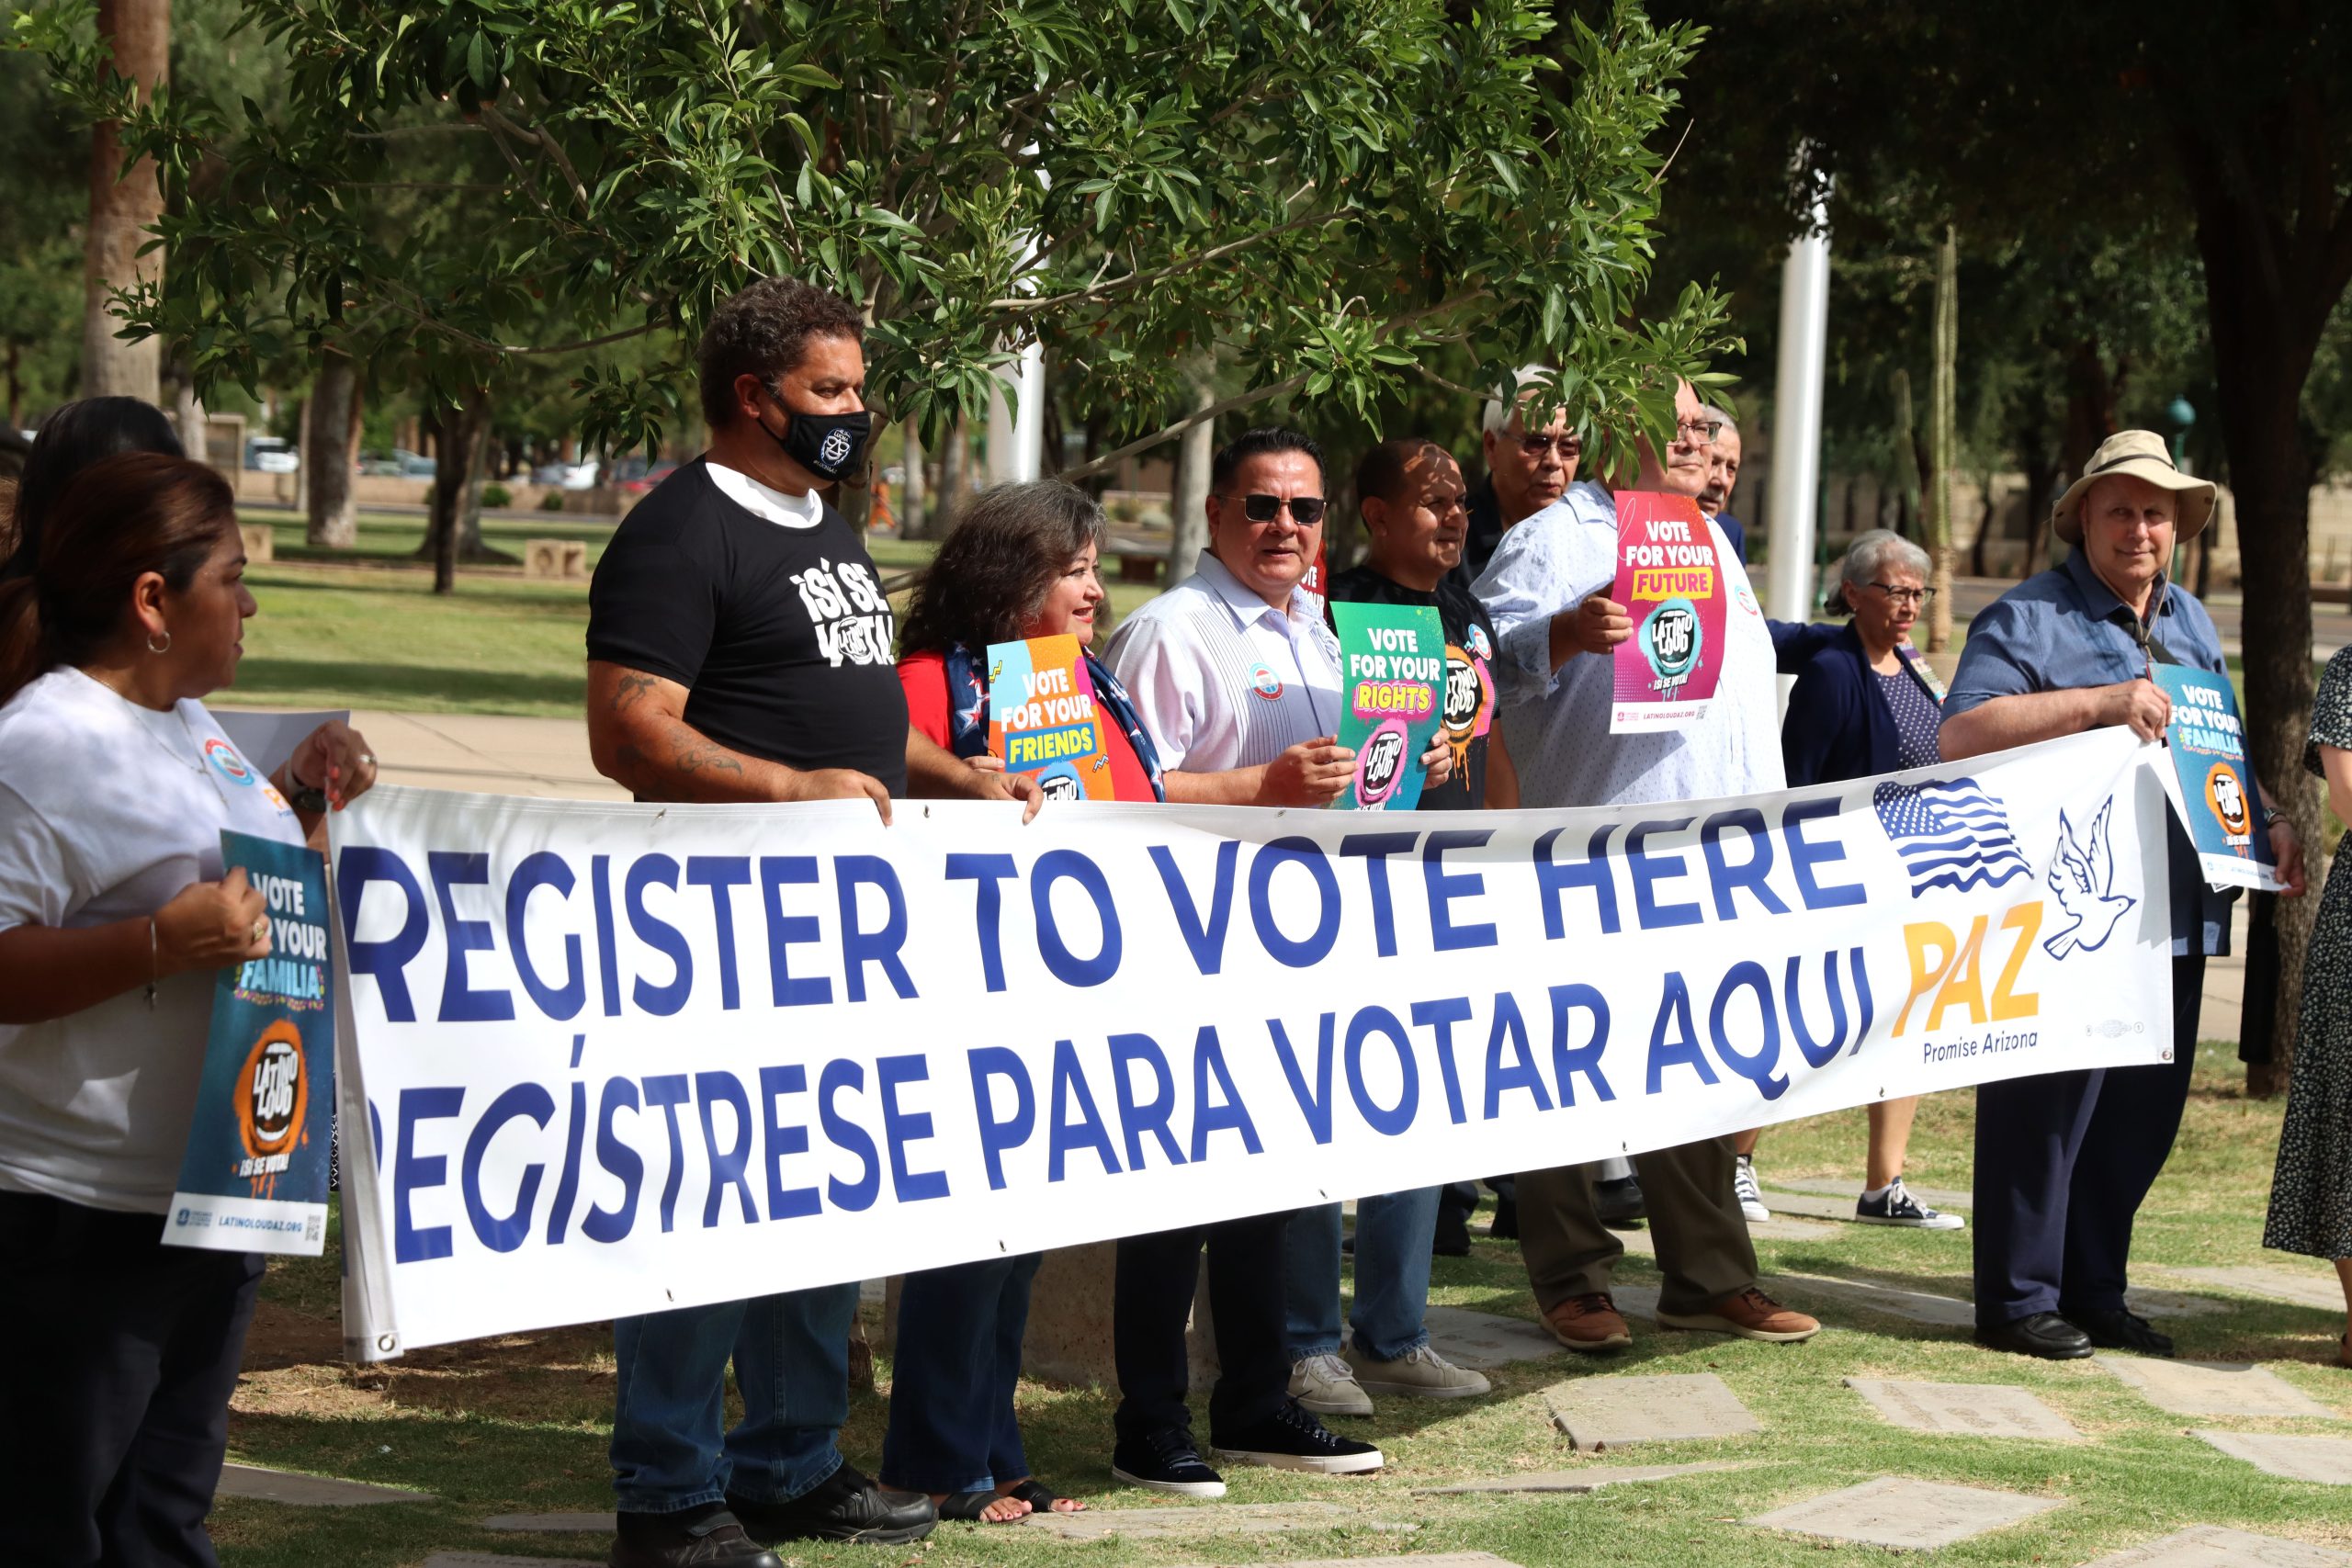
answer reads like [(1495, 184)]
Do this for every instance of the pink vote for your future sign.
[(1672, 586)]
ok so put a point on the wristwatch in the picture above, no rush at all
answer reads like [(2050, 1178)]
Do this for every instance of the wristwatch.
[(304, 798)]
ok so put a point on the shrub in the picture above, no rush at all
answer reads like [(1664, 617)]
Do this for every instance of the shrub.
[(497, 495), (551, 502)]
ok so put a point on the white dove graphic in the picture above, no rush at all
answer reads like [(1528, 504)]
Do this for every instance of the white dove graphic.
[(2083, 875)]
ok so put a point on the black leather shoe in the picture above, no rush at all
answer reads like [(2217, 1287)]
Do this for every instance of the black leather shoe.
[(698, 1538), (2114, 1328), (845, 1506), (2045, 1335), (1619, 1205)]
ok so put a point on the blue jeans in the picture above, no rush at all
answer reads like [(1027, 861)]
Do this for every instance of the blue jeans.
[(791, 1353), (1393, 1236), (958, 1361)]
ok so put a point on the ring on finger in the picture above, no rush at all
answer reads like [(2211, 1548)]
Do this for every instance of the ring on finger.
[(260, 928), (369, 758)]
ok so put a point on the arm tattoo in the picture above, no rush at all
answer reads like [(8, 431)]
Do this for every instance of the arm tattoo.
[(630, 687)]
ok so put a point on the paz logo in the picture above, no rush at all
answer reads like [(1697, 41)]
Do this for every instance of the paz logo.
[(833, 451), (226, 763), (1265, 683), (2081, 873)]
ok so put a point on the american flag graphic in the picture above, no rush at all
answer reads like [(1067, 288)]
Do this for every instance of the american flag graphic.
[(1949, 834)]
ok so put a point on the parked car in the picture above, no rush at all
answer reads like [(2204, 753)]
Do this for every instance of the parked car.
[(272, 455), (397, 463), (644, 479), (581, 475)]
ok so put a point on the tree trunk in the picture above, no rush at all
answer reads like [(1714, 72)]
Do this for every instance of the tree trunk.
[(454, 531), (138, 34), (187, 416), (328, 435), (15, 385), (910, 495), (1941, 419), (953, 461), (1188, 522), (302, 458)]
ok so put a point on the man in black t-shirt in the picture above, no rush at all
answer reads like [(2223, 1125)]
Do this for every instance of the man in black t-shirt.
[(740, 649), (1410, 492)]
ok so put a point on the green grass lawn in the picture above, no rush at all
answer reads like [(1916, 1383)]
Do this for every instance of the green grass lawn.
[(520, 1424), (375, 635)]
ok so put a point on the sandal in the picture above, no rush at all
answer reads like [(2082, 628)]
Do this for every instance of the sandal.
[(970, 1507), (1040, 1499)]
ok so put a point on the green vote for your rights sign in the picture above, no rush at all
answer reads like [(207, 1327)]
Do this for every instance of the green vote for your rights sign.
[(1392, 666)]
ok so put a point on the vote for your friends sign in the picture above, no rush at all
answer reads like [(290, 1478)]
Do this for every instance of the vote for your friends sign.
[(1672, 586)]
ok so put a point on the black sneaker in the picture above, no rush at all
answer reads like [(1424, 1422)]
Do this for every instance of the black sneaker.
[(708, 1536), (1166, 1462), (1292, 1439), (2116, 1328), (845, 1506), (1619, 1203)]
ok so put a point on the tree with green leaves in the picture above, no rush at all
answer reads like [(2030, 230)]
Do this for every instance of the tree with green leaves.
[(1318, 197)]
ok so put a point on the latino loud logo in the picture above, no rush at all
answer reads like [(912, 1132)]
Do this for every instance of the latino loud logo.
[(1383, 765), (273, 1098), (2226, 797), (1671, 641)]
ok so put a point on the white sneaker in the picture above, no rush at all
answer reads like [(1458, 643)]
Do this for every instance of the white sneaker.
[(1420, 1373), (1752, 1197), (1327, 1385), (1895, 1206)]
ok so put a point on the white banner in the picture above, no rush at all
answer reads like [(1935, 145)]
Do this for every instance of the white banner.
[(621, 1058)]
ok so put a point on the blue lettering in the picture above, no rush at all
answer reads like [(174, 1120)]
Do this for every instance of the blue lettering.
[(999, 1134), (410, 1171), (507, 1233), (1586, 1058), (1750, 872), (901, 1128), (1445, 886), (608, 963), (727, 1166), (1387, 1120), (1439, 1017), (1375, 848), (1803, 855), (1674, 1009), (1511, 1031), (1152, 1115), (1818, 1053), (618, 1159), (1217, 1114), (988, 872), (385, 960), (721, 874), (1553, 880), (1205, 938), (845, 1134), (1272, 857), (543, 868), (776, 872), (656, 933), (782, 1141), (1649, 871), (861, 947), (669, 1091), (1062, 1135), (1317, 1107), (567, 1186), (1059, 866), (1756, 1067)]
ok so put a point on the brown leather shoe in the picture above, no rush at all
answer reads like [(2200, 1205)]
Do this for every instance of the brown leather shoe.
[(1588, 1323), (1751, 1314)]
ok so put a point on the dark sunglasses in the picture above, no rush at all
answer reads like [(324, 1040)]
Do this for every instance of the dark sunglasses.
[(1307, 511)]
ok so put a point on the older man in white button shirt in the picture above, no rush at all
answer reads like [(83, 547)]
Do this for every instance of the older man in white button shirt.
[(1547, 590)]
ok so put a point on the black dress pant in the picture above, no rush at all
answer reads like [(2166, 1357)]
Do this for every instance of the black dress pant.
[(117, 1355), (1154, 1297), (2062, 1161)]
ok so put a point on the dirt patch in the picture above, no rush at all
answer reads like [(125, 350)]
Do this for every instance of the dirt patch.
[(294, 1365)]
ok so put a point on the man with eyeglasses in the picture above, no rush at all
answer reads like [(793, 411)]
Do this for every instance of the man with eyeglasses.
[(1722, 476), (1237, 679), (1526, 471), (1546, 591), (2063, 1159)]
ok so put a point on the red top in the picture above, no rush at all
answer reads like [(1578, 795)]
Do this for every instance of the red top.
[(925, 675)]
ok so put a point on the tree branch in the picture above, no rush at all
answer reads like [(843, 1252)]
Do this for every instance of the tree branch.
[(426, 320), (1102, 290)]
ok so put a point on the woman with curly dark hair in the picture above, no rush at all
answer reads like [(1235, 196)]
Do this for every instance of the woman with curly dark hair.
[(1021, 564)]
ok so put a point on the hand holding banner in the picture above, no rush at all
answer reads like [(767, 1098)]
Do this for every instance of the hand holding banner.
[(1672, 586)]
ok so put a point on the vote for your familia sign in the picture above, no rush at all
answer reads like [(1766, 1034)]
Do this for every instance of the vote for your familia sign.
[(1043, 718), (1393, 658), (1672, 586), (2217, 799)]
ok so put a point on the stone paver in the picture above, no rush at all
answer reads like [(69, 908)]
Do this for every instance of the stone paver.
[(2296, 1286), (1222, 1518), (541, 757), (309, 1491), (1480, 1339), (500, 1560), (1806, 1291), (1411, 1559), (1897, 1511), (2327, 1460), (552, 1524), (1964, 1409), (1609, 1410), (1591, 1478), (2151, 1303), (2213, 1388), (2212, 1546)]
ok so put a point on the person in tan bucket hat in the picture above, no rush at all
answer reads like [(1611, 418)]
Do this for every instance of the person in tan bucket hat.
[(2063, 1159)]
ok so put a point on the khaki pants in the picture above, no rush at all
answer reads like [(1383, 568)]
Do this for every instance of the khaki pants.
[(1703, 1246)]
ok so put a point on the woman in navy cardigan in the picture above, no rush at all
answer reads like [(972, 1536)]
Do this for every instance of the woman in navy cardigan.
[(1866, 703)]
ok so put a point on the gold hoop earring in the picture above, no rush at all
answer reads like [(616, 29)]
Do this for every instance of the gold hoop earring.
[(166, 636)]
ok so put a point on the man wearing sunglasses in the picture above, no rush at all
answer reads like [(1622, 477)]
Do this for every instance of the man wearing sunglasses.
[(1526, 471), (1546, 591), (1722, 476)]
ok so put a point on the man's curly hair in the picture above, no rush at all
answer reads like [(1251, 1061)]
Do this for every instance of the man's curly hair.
[(764, 331)]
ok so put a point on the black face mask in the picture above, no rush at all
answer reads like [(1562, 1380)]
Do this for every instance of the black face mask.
[(827, 445)]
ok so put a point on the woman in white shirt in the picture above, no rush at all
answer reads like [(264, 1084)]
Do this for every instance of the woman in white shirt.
[(117, 1354)]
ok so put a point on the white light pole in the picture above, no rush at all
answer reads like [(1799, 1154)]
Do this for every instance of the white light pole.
[(1017, 436), (1796, 415)]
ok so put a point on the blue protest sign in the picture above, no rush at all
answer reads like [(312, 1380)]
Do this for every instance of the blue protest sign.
[(255, 1176), (2217, 801)]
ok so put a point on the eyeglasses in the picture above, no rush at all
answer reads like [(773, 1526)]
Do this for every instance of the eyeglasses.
[(1307, 511), (1699, 432), (1901, 596), (1569, 447)]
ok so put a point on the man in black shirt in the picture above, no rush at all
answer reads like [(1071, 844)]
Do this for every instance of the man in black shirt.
[(740, 649), (1410, 492)]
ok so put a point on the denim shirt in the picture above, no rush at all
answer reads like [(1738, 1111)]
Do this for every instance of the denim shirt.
[(2063, 629)]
